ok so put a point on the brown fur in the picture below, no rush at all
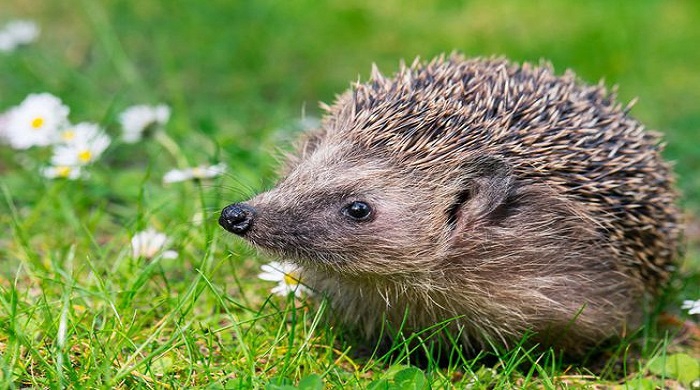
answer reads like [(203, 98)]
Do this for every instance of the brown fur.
[(504, 197)]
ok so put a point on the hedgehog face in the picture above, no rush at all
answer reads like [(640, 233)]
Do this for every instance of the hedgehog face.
[(343, 208), (339, 208)]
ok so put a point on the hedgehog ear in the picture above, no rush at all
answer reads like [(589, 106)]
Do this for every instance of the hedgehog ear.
[(485, 187)]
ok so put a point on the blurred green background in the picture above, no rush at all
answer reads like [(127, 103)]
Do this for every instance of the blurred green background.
[(240, 74)]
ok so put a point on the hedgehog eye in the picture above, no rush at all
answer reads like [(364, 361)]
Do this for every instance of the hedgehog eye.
[(359, 211)]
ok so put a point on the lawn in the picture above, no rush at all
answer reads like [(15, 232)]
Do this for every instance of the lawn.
[(79, 309)]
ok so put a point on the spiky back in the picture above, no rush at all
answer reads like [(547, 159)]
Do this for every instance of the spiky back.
[(553, 130)]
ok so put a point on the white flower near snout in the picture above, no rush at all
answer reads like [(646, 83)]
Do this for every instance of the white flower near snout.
[(287, 276), (196, 173), (693, 307), (150, 243)]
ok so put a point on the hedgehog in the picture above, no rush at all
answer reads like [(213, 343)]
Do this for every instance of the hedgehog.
[(498, 201)]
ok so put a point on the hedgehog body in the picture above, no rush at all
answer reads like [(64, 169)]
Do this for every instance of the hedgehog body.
[(493, 198)]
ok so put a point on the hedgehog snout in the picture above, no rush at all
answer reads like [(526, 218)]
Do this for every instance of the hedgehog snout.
[(237, 218)]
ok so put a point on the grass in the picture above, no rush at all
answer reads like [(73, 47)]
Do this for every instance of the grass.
[(78, 310)]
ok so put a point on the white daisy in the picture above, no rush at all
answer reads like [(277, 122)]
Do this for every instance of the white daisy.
[(135, 120), (693, 307), (287, 276), (149, 243), (63, 172), (16, 33), (35, 122), (23, 31), (196, 173), (79, 145)]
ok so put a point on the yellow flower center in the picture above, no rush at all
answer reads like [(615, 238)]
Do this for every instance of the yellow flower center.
[(291, 279), (37, 122), (62, 171), (68, 135), (197, 173), (85, 156)]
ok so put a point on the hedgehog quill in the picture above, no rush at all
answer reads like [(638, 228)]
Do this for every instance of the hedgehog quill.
[(501, 196)]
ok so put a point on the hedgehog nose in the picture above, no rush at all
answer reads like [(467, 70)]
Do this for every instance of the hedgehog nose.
[(237, 218)]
